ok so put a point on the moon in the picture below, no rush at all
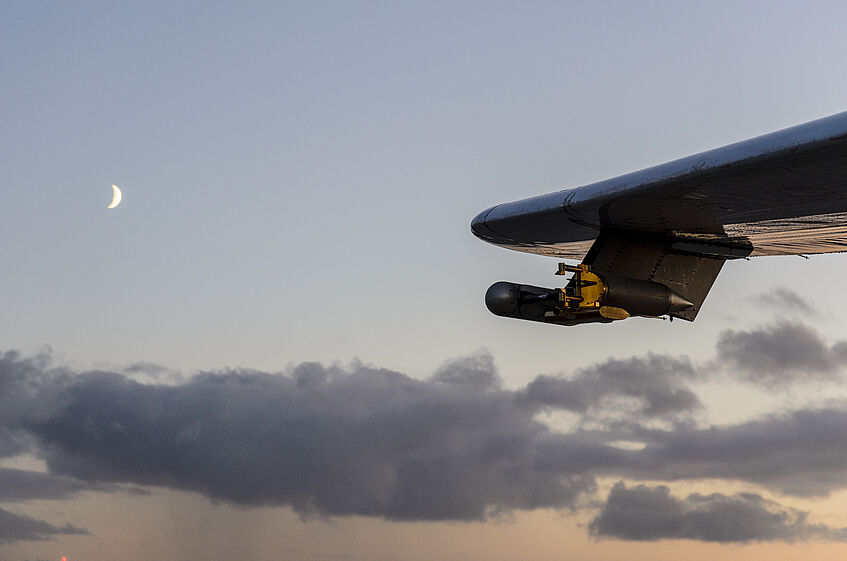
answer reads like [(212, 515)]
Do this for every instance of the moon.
[(116, 197)]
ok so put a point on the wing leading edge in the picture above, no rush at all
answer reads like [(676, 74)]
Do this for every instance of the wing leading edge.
[(675, 224)]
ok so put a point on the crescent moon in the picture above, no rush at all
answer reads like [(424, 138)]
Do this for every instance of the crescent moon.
[(116, 197)]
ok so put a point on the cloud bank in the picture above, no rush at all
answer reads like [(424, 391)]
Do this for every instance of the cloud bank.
[(15, 527), (650, 386), (645, 513), (782, 354), (360, 440)]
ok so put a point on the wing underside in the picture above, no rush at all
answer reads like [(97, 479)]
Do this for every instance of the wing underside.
[(675, 224), (783, 193)]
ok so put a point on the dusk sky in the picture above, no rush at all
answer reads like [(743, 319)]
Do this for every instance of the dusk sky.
[(276, 347)]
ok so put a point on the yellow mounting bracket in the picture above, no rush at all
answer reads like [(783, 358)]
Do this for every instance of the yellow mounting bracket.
[(588, 288), (564, 268)]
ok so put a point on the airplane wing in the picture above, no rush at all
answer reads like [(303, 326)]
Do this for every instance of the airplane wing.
[(674, 225)]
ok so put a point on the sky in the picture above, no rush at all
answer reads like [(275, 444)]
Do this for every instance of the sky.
[(277, 346)]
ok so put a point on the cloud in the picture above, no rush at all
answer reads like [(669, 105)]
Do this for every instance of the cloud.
[(476, 370), (800, 452), (654, 385), (784, 299), (781, 354), (21, 379), (323, 440), (13, 442), (645, 513), (15, 527), (797, 453), (333, 441), (23, 485)]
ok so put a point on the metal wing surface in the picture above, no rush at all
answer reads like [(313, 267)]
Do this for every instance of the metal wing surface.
[(652, 242), (777, 194)]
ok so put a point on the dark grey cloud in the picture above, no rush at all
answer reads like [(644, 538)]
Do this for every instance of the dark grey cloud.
[(22, 379), (13, 442), (780, 354), (800, 452), (651, 386), (782, 299), (360, 440), (645, 513), (323, 440), (375, 442), (16, 527), (24, 485), (797, 453), (476, 370)]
